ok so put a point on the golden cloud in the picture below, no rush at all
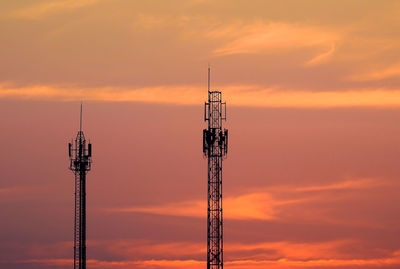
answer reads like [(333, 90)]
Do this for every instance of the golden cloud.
[(280, 263), (236, 95), (271, 204), (379, 74), (40, 10), (258, 206), (264, 38), (344, 185)]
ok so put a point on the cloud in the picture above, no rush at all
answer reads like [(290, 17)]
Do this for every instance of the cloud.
[(261, 205), (388, 72), (308, 99), (128, 248), (275, 204), (384, 262), (21, 193), (40, 10), (390, 260), (187, 209), (7, 190), (345, 185), (172, 95), (287, 253), (321, 58), (253, 206), (124, 264), (237, 95), (266, 38), (135, 253)]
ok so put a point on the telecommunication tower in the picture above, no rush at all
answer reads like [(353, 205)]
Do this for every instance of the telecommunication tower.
[(215, 148), (80, 155)]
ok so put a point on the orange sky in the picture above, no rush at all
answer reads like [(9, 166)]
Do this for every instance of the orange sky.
[(313, 98)]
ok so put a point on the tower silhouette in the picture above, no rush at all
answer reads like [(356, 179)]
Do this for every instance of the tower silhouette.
[(80, 155), (215, 148)]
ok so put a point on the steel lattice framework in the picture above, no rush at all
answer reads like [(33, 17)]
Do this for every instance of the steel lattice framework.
[(215, 147), (80, 155)]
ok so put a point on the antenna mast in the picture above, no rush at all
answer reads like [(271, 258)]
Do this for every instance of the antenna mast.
[(80, 156), (80, 122), (215, 148), (209, 78)]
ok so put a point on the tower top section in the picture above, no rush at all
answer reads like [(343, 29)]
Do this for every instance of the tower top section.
[(80, 152), (214, 109), (214, 114)]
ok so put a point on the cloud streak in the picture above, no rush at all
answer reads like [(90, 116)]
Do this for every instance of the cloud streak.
[(41, 10), (267, 38), (267, 205), (379, 74), (238, 95), (280, 263), (321, 58), (253, 206), (345, 185)]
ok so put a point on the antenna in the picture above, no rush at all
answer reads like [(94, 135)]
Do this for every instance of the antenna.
[(209, 77), (80, 123)]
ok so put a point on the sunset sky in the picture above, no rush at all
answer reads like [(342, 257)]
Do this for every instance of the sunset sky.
[(312, 177)]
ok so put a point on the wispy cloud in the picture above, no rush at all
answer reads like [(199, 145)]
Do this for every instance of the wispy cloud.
[(128, 253), (146, 248), (239, 95), (385, 262), (187, 208), (260, 205), (124, 264), (253, 206), (345, 185), (43, 9), (261, 37), (379, 74), (293, 250), (321, 58), (7, 190), (388, 261), (21, 193)]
